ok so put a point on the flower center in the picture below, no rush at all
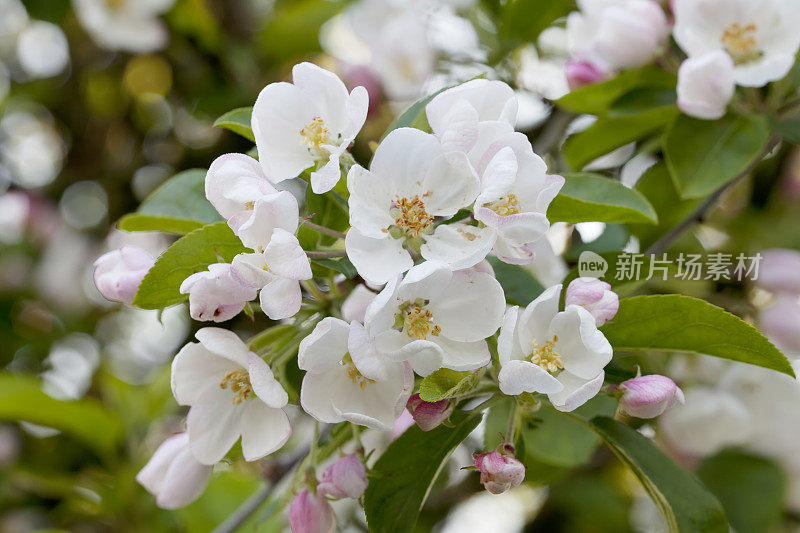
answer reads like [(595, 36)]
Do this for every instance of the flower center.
[(354, 374), (249, 205), (740, 43), (314, 135), (115, 5), (545, 356), (410, 216), (507, 205), (239, 383), (416, 321)]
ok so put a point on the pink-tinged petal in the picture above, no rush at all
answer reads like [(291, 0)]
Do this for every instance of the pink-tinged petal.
[(311, 514), (649, 396), (595, 296), (516, 377), (429, 415), (346, 478), (512, 254), (264, 429), (173, 475)]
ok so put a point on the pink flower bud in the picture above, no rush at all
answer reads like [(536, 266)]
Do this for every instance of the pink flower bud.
[(649, 396), (215, 294), (580, 73), (499, 472), (346, 478), (595, 296), (779, 322), (428, 415), (309, 513), (780, 271), (117, 274), (173, 475), (401, 424)]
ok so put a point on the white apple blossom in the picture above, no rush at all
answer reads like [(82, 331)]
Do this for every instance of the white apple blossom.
[(558, 353), (354, 307), (173, 475), (617, 34), (215, 294), (706, 85), (232, 393), (435, 317), (761, 37), (270, 212), (411, 182), (234, 184), (129, 25), (347, 379), (310, 122)]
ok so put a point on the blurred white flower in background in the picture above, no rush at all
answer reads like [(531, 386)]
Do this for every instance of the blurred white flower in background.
[(42, 50), (129, 25), (13, 21), (14, 208), (72, 362), (31, 150)]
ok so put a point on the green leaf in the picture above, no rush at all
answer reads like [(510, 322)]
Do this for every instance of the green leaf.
[(520, 286), (750, 488), (557, 439), (612, 132), (414, 116), (403, 475), (268, 337), (292, 28), (342, 266), (524, 20), (595, 198), (681, 498), (446, 383), (21, 399), (703, 155), (672, 322), (238, 121), (597, 98), (179, 205), (788, 129), (189, 254)]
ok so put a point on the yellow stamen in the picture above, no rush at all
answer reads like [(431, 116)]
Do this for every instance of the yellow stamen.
[(740, 43), (356, 377), (418, 323), (239, 383), (507, 205), (546, 357), (412, 216), (315, 134), (249, 205)]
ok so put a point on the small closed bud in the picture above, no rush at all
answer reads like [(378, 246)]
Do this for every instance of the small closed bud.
[(346, 478), (428, 415), (706, 85), (311, 513), (215, 294), (780, 271), (580, 73), (173, 475), (500, 471), (117, 274), (595, 296), (648, 396)]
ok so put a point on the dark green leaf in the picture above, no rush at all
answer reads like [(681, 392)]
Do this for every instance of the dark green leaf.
[(21, 399), (238, 121), (342, 266), (788, 129), (703, 155), (520, 286), (189, 254), (524, 20), (676, 323), (597, 98), (750, 488), (404, 473), (595, 198), (686, 505), (292, 28), (612, 132), (446, 383), (179, 205)]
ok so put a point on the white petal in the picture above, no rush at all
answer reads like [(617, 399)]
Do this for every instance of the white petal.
[(368, 360), (426, 280), (213, 423), (324, 347), (516, 377), (577, 391), (224, 343), (499, 176), (315, 395), (371, 197), (403, 157), (493, 100), (264, 383), (508, 347), (534, 322), (274, 211), (583, 348), (518, 229), (193, 369), (356, 110), (376, 260), (450, 184), (234, 179), (461, 127), (471, 308), (185, 481), (458, 245), (325, 179), (281, 298), (285, 257), (264, 430), (463, 355)]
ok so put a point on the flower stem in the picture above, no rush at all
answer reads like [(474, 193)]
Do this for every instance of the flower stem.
[(322, 229), (322, 255), (513, 422)]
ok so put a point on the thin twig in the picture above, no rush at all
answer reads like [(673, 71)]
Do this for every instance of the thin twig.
[(323, 229), (552, 134), (320, 255), (698, 214)]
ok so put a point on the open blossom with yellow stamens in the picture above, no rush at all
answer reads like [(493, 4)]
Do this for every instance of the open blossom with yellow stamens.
[(761, 37), (558, 353), (231, 393), (412, 184), (308, 123), (346, 379), (436, 317)]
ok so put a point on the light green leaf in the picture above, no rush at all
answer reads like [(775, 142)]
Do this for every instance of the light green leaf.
[(518, 283), (703, 155), (238, 121), (686, 505), (676, 323), (189, 254), (274, 335), (750, 488), (594, 198), (597, 98), (179, 205), (342, 266), (446, 383), (21, 399), (612, 132), (524, 20), (414, 116), (402, 477)]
